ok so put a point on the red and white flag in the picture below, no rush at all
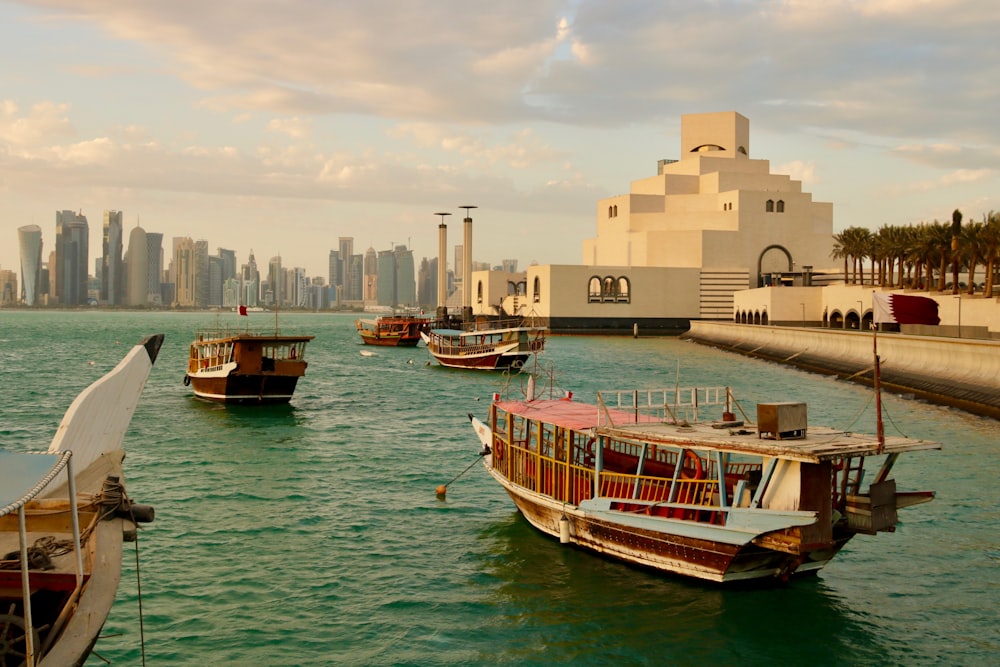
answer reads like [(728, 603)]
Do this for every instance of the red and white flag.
[(904, 309), (243, 311)]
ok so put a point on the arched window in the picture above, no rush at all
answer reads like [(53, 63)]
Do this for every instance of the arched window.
[(616, 210), (781, 206), (594, 290), (769, 206), (511, 288), (536, 290), (608, 288), (623, 290), (522, 288), (610, 212), (479, 292)]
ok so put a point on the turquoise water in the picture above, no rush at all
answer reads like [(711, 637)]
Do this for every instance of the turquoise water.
[(310, 534)]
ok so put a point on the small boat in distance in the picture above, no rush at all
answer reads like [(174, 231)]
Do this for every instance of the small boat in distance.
[(392, 330), (486, 345), (64, 515), (639, 478), (245, 367)]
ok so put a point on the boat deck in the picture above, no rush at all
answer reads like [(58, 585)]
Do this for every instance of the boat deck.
[(819, 443)]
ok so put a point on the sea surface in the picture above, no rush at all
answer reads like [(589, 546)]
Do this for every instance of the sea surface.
[(311, 534)]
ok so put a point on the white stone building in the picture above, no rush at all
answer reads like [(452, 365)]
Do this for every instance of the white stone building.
[(680, 243)]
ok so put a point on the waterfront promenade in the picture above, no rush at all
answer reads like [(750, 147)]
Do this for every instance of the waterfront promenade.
[(958, 372)]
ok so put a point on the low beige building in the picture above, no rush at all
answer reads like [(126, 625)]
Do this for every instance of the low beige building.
[(679, 244)]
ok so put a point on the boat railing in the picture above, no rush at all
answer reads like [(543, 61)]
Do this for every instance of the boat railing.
[(486, 325), (671, 404), (227, 331)]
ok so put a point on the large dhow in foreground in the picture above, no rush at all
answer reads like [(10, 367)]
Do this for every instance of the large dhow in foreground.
[(486, 345), (246, 367), (64, 515), (718, 500)]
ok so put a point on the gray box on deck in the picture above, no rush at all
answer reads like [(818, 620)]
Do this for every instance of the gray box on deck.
[(781, 421)]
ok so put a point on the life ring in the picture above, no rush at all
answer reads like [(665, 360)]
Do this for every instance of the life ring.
[(699, 472), (187, 380)]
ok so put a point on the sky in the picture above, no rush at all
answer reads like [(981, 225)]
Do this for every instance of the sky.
[(279, 127)]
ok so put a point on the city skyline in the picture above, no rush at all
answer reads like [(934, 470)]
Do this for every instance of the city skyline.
[(218, 121)]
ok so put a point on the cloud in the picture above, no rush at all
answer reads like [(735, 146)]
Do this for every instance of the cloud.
[(42, 123)]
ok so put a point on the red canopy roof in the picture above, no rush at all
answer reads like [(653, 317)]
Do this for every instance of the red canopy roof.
[(568, 414)]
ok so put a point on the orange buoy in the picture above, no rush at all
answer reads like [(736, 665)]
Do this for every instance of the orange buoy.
[(441, 490)]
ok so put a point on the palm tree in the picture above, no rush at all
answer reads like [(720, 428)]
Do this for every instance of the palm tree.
[(924, 249), (941, 235), (991, 249), (971, 250), (859, 247), (956, 233), (840, 250)]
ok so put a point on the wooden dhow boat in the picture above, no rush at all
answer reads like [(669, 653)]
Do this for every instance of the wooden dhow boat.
[(63, 517), (638, 477), (392, 330), (487, 345), (246, 367)]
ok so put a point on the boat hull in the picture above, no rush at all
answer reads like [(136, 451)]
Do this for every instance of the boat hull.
[(659, 549), (238, 389), (369, 338), (486, 362)]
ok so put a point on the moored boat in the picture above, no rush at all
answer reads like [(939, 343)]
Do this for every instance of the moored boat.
[(64, 515), (638, 477), (487, 345), (392, 330), (246, 367)]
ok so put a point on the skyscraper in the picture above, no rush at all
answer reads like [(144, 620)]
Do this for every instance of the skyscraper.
[(29, 239), (154, 268), (346, 249), (274, 281), (183, 269), (251, 282), (72, 258), (112, 268), (371, 276), (406, 285), (137, 267)]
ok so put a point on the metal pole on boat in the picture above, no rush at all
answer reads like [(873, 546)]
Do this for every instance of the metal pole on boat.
[(74, 518), (877, 382), (29, 629)]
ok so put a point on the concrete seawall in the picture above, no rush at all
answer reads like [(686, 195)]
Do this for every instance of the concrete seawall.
[(950, 371)]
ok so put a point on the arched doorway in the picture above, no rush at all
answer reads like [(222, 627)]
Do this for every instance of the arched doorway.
[(773, 259)]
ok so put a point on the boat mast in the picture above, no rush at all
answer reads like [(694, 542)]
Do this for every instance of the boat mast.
[(877, 380)]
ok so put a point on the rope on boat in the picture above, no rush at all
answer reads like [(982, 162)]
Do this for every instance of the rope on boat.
[(442, 489), (138, 589)]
